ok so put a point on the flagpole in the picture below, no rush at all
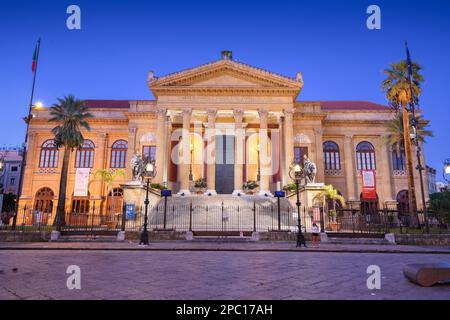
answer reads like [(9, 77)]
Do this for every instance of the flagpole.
[(419, 167), (24, 150)]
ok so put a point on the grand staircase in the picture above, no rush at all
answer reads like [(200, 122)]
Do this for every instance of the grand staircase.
[(222, 213)]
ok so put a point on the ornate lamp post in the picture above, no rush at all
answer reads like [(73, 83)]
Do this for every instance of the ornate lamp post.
[(296, 173), (446, 173), (148, 174)]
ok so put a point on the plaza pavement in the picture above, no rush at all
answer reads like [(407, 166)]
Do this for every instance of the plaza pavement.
[(230, 271)]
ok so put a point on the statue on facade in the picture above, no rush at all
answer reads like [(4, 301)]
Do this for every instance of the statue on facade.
[(137, 166), (310, 170)]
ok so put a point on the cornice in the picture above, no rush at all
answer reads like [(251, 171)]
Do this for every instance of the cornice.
[(225, 91), (141, 115)]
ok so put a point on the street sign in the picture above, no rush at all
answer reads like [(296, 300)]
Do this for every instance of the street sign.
[(130, 211), (166, 193), (280, 194)]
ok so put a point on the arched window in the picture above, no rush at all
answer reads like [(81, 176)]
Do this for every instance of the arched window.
[(119, 154), (398, 157), (49, 155), (85, 155), (365, 156), (331, 155)]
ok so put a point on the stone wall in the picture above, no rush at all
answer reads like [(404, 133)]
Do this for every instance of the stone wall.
[(423, 239), (8, 236)]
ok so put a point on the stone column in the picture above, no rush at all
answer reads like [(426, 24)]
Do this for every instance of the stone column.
[(264, 160), (160, 144), (185, 162), (319, 155), (288, 143), (386, 172), (211, 152), (32, 162), (238, 151), (350, 171)]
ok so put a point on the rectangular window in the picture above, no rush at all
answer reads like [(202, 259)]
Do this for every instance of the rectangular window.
[(299, 153), (14, 168), (149, 152), (12, 181)]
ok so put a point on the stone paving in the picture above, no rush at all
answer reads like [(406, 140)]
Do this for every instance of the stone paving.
[(230, 275)]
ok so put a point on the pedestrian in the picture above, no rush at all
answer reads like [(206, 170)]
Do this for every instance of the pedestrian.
[(315, 234)]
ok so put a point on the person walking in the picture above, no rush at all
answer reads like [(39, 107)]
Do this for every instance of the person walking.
[(315, 235)]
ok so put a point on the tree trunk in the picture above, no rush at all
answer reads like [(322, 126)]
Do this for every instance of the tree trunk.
[(61, 207), (409, 161)]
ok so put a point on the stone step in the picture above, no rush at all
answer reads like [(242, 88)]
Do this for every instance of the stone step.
[(230, 239), (358, 241), (87, 238)]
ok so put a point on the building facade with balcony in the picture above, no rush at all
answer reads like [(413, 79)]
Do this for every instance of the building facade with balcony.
[(225, 122)]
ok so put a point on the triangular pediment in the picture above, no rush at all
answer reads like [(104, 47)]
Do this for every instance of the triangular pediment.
[(225, 74)]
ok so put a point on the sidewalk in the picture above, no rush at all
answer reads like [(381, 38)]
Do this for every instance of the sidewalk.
[(221, 246)]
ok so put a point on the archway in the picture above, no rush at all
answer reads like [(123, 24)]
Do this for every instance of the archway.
[(43, 205), (403, 202), (369, 206)]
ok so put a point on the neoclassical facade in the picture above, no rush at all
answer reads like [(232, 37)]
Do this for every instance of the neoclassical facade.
[(227, 123)]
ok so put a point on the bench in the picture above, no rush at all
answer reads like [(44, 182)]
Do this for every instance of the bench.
[(429, 274)]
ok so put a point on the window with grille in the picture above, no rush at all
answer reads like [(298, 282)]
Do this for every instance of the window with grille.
[(365, 156), (331, 156), (49, 155), (85, 155), (119, 154), (149, 152), (398, 157)]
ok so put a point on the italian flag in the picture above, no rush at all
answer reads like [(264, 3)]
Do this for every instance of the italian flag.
[(35, 57)]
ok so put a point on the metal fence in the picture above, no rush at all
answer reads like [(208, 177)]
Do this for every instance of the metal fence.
[(234, 218), (389, 221)]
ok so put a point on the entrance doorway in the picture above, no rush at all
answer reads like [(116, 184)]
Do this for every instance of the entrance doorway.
[(224, 164)]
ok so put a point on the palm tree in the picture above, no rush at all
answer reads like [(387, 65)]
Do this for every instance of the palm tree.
[(108, 177), (330, 193), (398, 92), (71, 115), (395, 134)]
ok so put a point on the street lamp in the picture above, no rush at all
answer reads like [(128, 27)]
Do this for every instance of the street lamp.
[(446, 173), (296, 173), (148, 174)]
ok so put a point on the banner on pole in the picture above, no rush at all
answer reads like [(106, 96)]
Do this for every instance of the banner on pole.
[(369, 188), (81, 182)]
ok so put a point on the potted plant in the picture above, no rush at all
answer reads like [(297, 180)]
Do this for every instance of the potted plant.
[(289, 188), (200, 185), (157, 186), (250, 186), (334, 226)]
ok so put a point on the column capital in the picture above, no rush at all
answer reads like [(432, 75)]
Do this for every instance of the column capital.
[(132, 130), (263, 112), (161, 111), (318, 131), (238, 115), (186, 112), (289, 112), (348, 137), (212, 113)]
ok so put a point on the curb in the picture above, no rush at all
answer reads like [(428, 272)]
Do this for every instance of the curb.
[(374, 251)]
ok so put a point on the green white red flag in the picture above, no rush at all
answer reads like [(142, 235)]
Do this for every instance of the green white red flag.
[(35, 57)]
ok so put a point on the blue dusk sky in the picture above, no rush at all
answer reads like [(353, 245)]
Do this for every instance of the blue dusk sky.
[(120, 41)]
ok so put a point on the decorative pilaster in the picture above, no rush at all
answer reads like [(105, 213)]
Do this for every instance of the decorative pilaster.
[(185, 162), (239, 151), (318, 132), (349, 167), (288, 143), (160, 144), (211, 152), (386, 172), (131, 150), (264, 160)]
